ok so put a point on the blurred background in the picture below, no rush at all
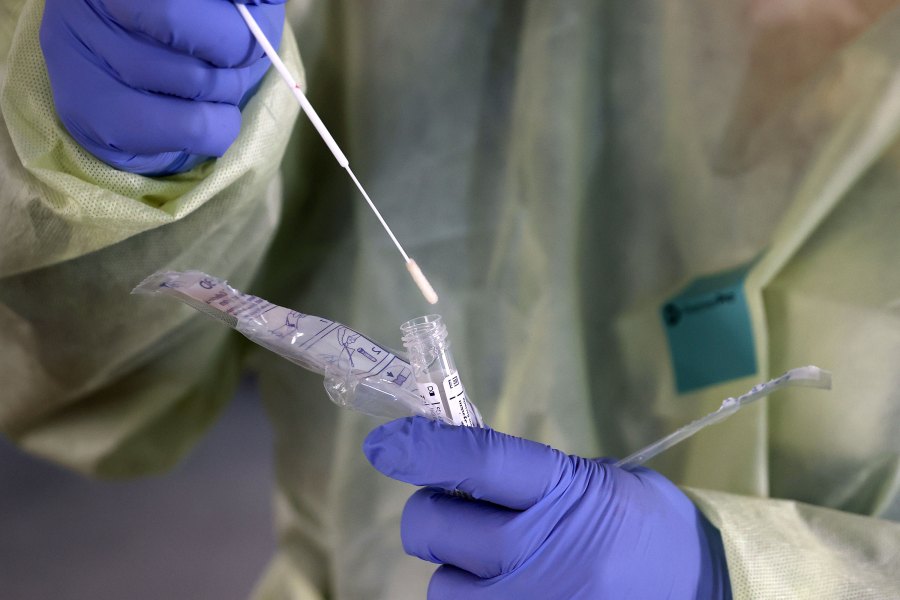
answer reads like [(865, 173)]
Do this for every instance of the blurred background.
[(203, 530)]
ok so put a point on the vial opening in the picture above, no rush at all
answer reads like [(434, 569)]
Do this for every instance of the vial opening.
[(425, 324), (423, 328)]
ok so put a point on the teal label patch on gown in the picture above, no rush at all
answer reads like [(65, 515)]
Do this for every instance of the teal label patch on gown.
[(709, 331)]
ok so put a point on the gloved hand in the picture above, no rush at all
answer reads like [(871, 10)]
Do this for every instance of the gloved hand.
[(154, 86), (543, 524)]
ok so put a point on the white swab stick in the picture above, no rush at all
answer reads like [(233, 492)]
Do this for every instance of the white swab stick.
[(292, 83), (414, 270), (419, 277)]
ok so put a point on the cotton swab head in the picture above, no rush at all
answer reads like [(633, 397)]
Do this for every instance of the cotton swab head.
[(421, 281)]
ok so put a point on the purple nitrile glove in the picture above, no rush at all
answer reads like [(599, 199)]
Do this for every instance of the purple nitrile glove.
[(154, 86), (543, 524)]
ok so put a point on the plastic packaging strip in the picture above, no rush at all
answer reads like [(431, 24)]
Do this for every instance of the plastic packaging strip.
[(360, 374), (809, 376)]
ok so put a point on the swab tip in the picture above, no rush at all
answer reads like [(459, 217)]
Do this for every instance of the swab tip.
[(422, 282)]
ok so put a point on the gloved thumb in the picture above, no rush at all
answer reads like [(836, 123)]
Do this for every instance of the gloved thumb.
[(486, 464)]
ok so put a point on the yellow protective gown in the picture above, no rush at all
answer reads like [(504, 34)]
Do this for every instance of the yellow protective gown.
[(561, 171)]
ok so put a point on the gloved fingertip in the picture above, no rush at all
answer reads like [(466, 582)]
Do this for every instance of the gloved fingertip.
[(449, 582), (209, 128), (391, 428), (386, 446)]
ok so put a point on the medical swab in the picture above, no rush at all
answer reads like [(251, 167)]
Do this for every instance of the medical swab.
[(413, 268), (801, 376)]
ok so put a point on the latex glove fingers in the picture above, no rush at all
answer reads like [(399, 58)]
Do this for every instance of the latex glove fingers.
[(211, 30), (431, 512), (135, 60), (153, 87), (547, 525), (483, 463), (135, 126)]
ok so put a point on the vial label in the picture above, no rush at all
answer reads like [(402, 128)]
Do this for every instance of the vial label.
[(431, 398), (457, 401)]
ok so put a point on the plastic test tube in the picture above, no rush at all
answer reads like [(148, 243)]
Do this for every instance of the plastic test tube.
[(434, 370)]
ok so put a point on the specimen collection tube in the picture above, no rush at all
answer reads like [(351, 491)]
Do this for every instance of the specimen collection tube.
[(435, 373)]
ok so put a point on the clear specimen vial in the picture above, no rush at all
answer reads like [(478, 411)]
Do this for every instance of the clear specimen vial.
[(440, 386)]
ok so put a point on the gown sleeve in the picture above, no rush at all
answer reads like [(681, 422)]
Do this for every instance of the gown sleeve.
[(788, 549), (90, 376)]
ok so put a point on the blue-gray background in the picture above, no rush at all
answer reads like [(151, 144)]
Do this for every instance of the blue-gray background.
[(203, 530)]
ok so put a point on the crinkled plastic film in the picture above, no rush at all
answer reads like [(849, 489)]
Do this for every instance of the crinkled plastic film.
[(360, 374)]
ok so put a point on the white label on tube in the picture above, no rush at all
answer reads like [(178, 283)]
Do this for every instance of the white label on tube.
[(431, 398), (457, 401)]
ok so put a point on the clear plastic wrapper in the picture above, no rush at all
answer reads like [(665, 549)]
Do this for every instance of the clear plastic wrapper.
[(360, 374), (810, 376)]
